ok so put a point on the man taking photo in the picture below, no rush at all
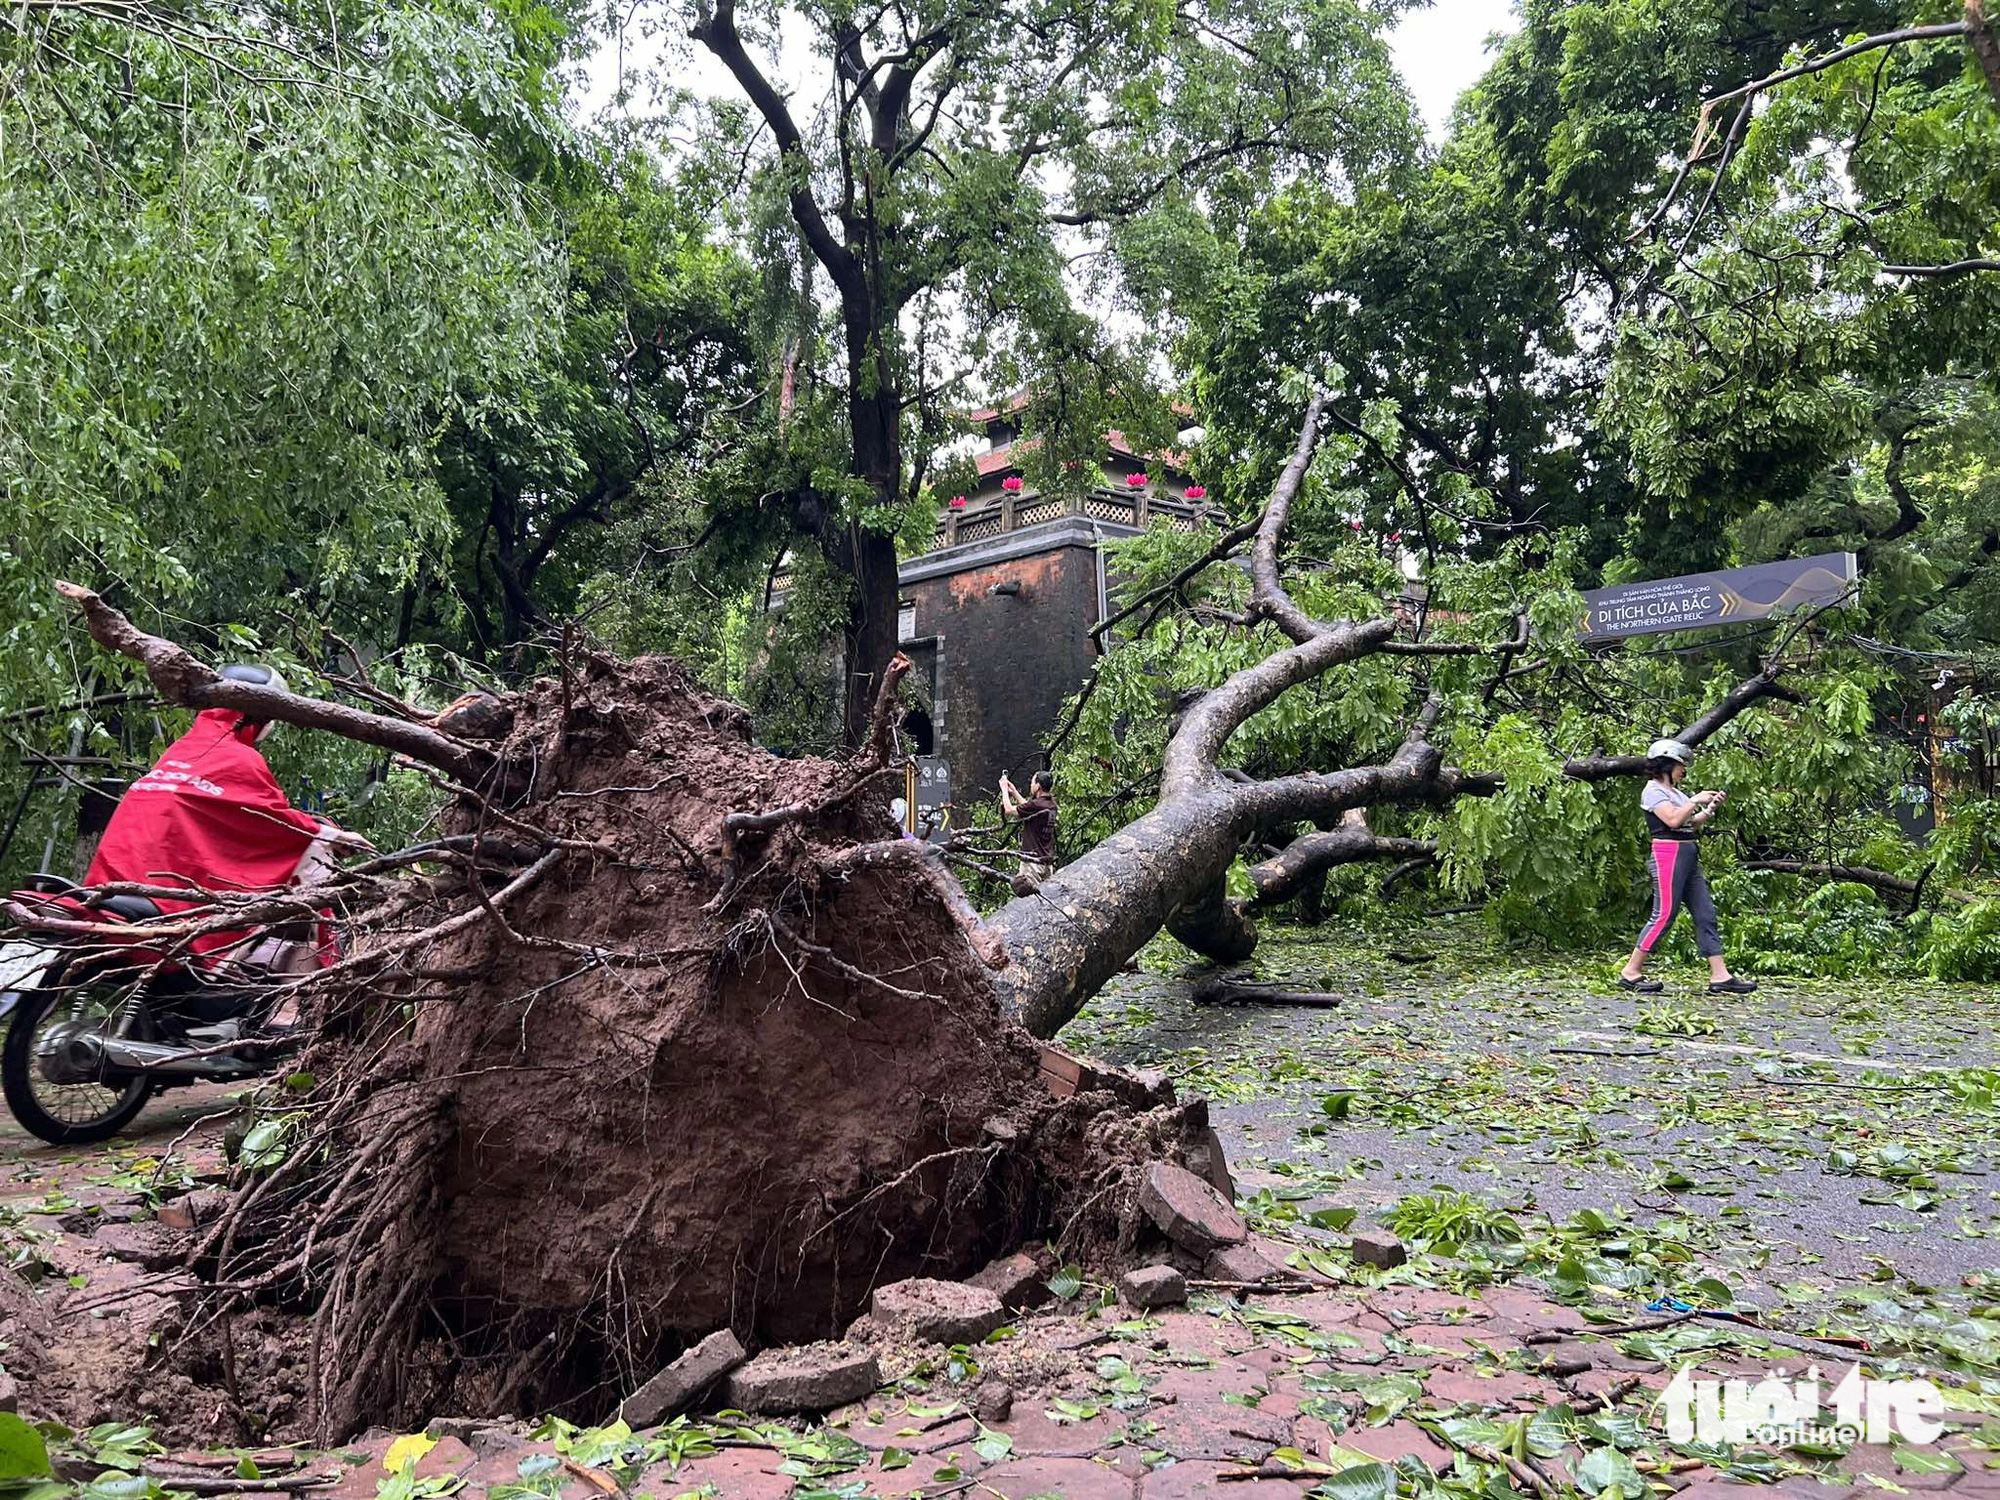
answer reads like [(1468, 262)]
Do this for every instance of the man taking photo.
[(1036, 813)]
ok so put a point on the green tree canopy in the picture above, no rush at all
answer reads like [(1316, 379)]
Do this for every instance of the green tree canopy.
[(958, 180)]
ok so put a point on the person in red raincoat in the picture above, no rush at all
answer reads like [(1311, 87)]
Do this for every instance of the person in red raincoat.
[(211, 815)]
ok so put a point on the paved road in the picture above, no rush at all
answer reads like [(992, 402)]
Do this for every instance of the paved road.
[(192, 1117), (1801, 1140), (1801, 1143)]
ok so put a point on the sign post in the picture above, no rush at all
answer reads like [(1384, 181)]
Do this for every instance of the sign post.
[(930, 798), (1726, 597)]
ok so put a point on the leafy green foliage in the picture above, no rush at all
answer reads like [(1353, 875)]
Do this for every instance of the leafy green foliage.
[(1447, 1221), (241, 304), (1966, 945)]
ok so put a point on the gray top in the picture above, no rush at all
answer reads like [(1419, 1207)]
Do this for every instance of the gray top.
[(1656, 795)]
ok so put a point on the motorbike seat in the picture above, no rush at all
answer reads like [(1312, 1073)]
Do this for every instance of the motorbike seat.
[(51, 885), (131, 908)]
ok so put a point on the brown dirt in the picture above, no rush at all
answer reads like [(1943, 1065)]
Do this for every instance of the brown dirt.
[(546, 1171)]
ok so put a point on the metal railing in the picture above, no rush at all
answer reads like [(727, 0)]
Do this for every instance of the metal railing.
[(1118, 507)]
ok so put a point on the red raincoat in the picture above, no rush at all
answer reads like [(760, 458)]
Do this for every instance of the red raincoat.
[(210, 814)]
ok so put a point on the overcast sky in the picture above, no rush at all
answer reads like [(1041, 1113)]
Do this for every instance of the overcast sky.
[(1441, 51)]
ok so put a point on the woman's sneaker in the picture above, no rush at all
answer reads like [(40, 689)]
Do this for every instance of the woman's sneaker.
[(1640, 986), (1735, 984)]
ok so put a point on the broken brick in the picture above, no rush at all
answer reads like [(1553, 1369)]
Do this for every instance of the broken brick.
[(1240, 1263), (813, 1377), (1017, 1280), (676, 1387), (1188, 1210), (1153, 1286), (1379, 1248), (938, 1312)]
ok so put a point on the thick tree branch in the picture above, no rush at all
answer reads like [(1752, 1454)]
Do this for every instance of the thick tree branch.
[(1838, 55), (1762, 684), (1269, 600), (1985, 45), (183, 680), (1909, 515), (1206, 727), (1284, 873), (1753, 689), (715, 29), (882, 718), (1409, 778), (1402, 873), (1954, 268)]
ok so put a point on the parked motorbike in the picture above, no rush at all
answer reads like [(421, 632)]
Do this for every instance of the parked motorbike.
[(109, 1019)]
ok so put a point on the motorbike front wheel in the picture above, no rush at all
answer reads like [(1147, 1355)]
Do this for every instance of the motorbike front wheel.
[(67, 1113)]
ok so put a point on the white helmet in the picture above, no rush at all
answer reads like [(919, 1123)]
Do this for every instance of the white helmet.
[(1672, 750), (260, 676)]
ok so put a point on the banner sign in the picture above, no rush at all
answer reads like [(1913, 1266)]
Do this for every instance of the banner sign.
[(1723, 598)]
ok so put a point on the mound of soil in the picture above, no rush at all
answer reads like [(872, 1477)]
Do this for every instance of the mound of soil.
[(682, 1078)]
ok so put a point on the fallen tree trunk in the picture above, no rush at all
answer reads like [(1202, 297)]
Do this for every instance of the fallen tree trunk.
[(710, 1044)]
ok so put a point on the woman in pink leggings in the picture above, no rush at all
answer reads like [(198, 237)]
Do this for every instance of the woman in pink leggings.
[(1672, 816)]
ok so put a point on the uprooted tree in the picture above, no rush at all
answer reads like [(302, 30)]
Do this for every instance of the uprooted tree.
[(660, 1032)]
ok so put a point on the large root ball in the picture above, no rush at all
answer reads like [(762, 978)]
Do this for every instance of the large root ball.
[(676, 1081)]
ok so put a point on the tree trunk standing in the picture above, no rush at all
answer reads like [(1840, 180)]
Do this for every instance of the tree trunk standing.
[(874, 407), (852, 258)]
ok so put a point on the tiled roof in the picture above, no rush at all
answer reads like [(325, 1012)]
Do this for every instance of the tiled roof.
[(1003, 458), (1014, 403), (999, 460), (1169, 457)]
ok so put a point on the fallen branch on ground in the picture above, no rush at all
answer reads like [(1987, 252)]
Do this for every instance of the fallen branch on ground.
[(1214, 991)]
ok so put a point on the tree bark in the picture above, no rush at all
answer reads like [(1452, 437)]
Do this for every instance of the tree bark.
[(182, 679), (869, 319), (1286, 872), (868, 638), (1213, 925)]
